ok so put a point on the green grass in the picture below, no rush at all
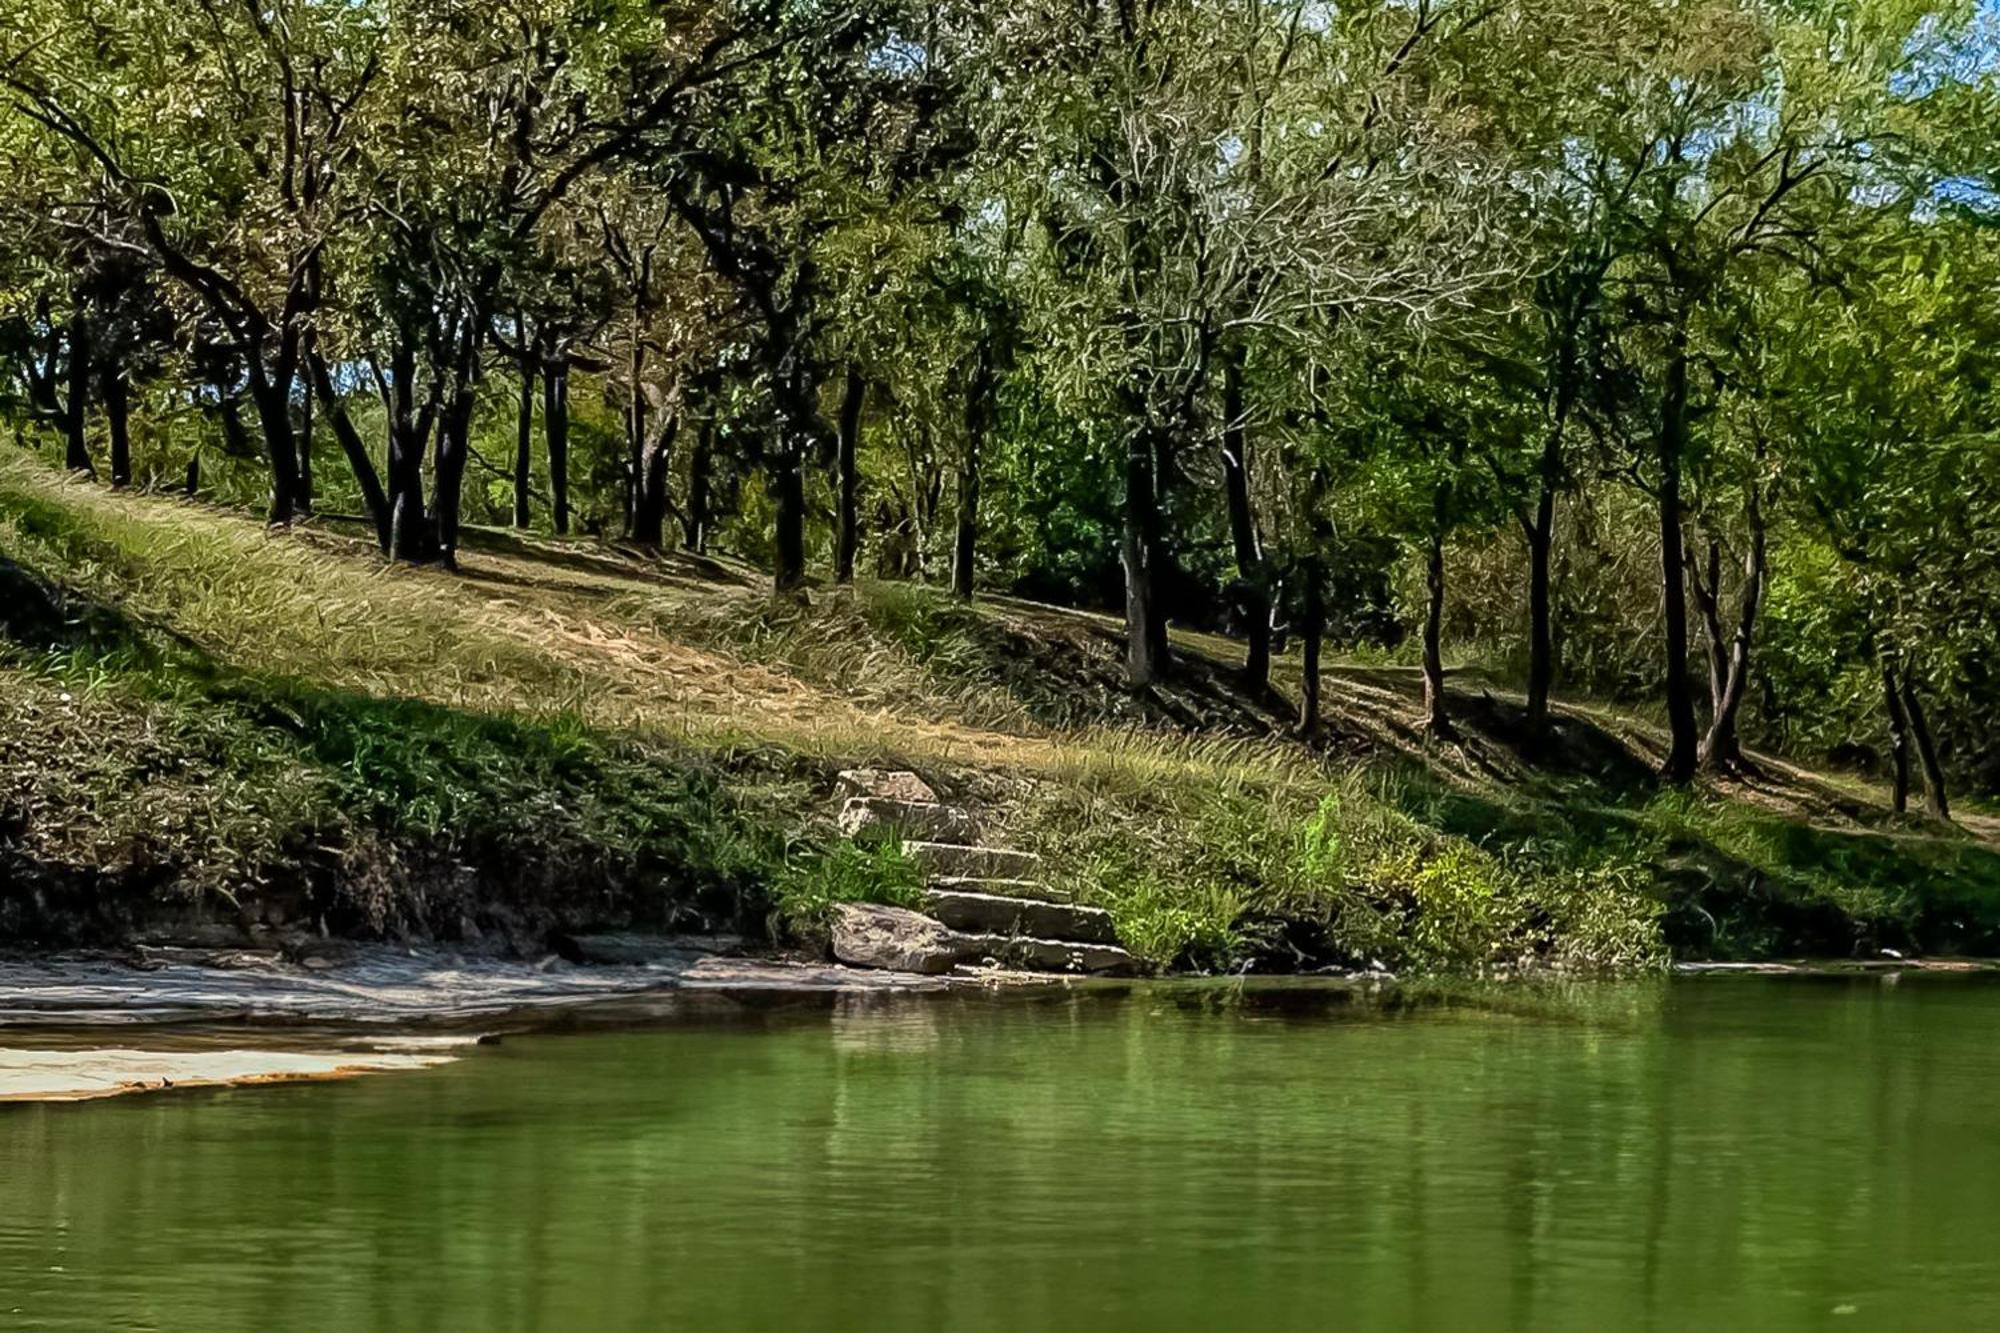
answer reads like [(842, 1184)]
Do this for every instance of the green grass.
[(823, 876)]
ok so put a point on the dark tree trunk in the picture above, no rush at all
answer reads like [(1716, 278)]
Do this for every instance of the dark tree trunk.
[(1252, 591), (118, 415), (1312, 635), (1312, 630), (372, 496), (273, 400), (555, 421), (1682, 753), (1145, 631), (409, 431), (76, 406), (636, 429), (193, 480), (454, 431), (1541, 552), (979, 413), (965, 546), (524, 443), (649, 516), (1541, 630), (1934, 786), (788, 493), (1899, 738), (848, 538), (695, 526), (1436, 715), (235, 440), (306, 445)]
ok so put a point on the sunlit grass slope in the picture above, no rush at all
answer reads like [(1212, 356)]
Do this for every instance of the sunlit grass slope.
[(206, 722)]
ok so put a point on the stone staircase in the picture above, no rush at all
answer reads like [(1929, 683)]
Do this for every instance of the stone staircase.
[(982, 904)]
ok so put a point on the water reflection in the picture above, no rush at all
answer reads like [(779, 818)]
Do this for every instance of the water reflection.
[(1738, 1153)]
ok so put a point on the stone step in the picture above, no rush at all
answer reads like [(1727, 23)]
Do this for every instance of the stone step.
[(876, 817), (894, 784), (958, 860), (1000, 888), (1028, 953), (991, 914), (873, 935)]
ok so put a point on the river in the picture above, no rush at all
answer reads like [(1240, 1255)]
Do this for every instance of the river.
[(1706, 1153)]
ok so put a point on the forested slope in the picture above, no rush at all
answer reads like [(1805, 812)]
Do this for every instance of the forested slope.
[(213, 728)]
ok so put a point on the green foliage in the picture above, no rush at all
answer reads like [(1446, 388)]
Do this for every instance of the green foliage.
[(817, 878), (1220, 880)]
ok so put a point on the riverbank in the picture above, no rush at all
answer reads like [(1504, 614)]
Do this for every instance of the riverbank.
[(84, 1026), (80, 1026), (229, 737)]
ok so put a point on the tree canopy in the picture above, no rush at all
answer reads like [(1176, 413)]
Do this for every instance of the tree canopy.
[(1605, 344)]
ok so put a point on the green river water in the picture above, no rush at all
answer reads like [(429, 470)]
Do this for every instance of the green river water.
[(1713, 1153)]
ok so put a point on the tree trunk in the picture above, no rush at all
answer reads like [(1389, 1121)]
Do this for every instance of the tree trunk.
[(235, 440), (372, 495), (979, 413), (409, 533), (1312, 635), (848, 538), (1313, 612), (1721, 748), (306, 445), (118, 415), (1145, 634), (1934, 787), (1705, 582), (1253, 595), (555, 421), (1899, 738), (1541, 551), (649, 518), (76, 406), (636, 427), (524, 441), (695, 528), (1682, 753), (1541, 633), (273, 401), (789, 495), (454, 431), (964, 548), (1436, 716)]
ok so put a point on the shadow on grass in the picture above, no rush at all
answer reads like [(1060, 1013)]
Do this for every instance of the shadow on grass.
[(1734, 882), (421, 819)]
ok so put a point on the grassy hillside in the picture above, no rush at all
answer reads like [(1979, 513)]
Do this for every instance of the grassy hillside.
[(210, 728)]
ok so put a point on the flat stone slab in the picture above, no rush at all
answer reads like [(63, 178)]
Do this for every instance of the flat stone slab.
[(893, 938), (957, 860), (881, 817), (990, 914), (74, 1076), (382, 984), (890, 784), (1046, 955), (1000, 888)]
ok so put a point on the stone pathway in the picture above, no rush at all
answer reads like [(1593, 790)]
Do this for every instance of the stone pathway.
[(983, 904)]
